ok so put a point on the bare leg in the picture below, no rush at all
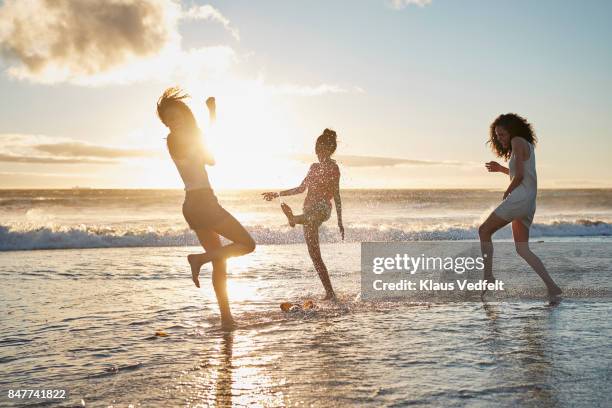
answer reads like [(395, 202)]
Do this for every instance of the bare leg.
[(485, 232), (230, 228), (210, 242), (521, 241), (311, 235)]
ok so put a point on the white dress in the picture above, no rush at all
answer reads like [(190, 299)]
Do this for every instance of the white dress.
[(521, 202)]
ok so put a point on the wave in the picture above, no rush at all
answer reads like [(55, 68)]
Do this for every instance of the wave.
[(80, 237)]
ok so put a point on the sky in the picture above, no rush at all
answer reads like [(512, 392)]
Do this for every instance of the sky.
[(409, 86)]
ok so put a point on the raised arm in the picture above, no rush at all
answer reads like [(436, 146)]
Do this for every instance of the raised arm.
[(211, 104), (209, 159)]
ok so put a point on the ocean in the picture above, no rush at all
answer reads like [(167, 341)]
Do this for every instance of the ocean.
[(71, 219), (97, 299)]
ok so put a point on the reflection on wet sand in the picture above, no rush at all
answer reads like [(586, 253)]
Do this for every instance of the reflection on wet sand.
[(536, 362), (518, 352), (235, 378), (526, 357), (223, 383)]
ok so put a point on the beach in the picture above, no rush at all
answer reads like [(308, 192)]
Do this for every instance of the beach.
[(305, 204), (91, 330), (123, 324)]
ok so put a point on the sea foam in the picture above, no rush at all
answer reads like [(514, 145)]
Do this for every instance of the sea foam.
[(13, 237)]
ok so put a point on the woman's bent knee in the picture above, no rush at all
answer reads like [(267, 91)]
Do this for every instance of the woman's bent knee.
[(249, 245), (483, 232)]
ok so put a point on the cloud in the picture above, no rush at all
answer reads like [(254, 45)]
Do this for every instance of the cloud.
[(401, 4), (13, 174), (79, 149), (88, 42), (95, 43), (378, 161), (208, 12), (304, 90), (7, 158), (18, 148)]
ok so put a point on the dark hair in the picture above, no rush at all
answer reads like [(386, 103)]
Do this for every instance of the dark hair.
[(517, 126), (174, 96), (178, 146), (326, 143)]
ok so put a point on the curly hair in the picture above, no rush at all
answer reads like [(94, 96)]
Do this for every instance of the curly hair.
[(517, 126), (327, 142)]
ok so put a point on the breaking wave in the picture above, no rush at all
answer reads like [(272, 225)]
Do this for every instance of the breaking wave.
[(76, 237)]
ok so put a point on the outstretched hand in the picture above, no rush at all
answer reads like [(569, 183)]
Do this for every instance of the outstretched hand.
[(269, 196), (494, 167)]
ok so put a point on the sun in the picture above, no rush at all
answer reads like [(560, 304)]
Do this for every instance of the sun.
[(251, 139), (254, 140)]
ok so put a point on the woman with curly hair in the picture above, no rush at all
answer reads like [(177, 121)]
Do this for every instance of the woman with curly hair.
[(323, 184), (512, 137), (201, 209)]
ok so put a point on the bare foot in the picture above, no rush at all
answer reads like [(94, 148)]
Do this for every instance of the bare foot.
[(489, 279), (287, 210), (195, 268), (329, 296)]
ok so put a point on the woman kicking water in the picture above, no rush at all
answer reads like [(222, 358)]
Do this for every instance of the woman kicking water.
[(201, 209), (512, 137), (323, 183)]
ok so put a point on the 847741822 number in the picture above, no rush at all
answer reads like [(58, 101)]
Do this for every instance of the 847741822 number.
[(25, 393)]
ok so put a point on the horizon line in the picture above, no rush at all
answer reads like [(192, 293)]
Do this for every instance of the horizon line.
[(273, 189)]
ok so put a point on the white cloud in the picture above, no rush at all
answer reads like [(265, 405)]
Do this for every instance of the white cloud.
[(304, 90), (89, 42), (380, 161), (23, 148), (14, 174), (171, 65), (208, 12), (96, 43), (401, 4)]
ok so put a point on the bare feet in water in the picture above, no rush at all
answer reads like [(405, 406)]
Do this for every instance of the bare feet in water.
[(287, 210), (229, 325), (195, 268), (489, 279), (329, 296)]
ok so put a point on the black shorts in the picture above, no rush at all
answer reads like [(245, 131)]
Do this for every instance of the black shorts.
[(201, 209), (317, 213)]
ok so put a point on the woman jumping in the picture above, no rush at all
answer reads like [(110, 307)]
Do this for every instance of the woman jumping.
[(512, 137), (201, 209), (323, 183)]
